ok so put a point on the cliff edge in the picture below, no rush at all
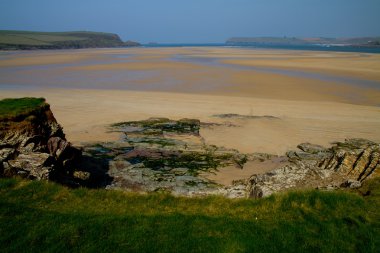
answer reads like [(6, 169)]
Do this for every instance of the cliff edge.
[(32, 143)]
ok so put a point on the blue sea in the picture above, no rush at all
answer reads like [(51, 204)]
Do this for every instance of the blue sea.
[(328, 48)]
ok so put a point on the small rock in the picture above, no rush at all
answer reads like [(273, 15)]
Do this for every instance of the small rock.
[(311, 148), (118, 165), (236, 191), (329, 187), (352, 184), (6, 153), (62, 150), (38, 165), (82, 175)]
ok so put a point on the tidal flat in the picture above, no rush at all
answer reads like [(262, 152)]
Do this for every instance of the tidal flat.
[(282, 97)]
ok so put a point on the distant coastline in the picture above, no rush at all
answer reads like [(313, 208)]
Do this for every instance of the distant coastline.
[(30, 40), (362, 44), (330, 48)]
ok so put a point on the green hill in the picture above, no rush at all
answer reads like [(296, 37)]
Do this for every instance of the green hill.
[(38, 216), (13, 40)]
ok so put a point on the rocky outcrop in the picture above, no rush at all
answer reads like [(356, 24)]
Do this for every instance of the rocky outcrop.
[(160, 154), (33, 145), (345, 164)]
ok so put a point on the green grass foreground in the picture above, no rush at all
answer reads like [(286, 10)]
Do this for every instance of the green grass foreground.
[(47, 217), (14, 107)]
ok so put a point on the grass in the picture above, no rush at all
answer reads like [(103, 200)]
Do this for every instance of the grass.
[(33, 39), (16, 107), (46, 217)]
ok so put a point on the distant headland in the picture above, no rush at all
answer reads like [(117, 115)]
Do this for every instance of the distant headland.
[(316, 41), (24, 40)]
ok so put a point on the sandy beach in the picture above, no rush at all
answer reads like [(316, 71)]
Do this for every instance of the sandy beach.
[(85, 115), (315, 97)]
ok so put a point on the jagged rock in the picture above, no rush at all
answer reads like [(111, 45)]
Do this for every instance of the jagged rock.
[(355, 158), (33, 165), (346, 164), (62, 150)]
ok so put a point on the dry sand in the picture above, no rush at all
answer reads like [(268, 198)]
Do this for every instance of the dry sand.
[(85, 114), (309, 110), (226, 176)]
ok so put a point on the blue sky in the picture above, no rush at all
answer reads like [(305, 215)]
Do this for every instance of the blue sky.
[(193, 21)]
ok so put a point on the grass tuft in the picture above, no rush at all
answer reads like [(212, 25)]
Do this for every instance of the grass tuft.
[(17, 107)]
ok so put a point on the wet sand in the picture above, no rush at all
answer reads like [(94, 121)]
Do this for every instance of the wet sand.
[(274, 74), (90, 89)]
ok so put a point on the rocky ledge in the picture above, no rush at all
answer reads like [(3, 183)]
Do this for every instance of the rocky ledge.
[(345, 164), (160, 154)]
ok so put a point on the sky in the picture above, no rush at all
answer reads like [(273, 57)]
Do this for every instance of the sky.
[(196, 21)]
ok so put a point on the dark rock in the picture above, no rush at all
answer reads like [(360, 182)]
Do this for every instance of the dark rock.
[(160, 125), (62, 151), (149, 153), (6, 154), (130, 43), (239, 116), (353, 184)]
